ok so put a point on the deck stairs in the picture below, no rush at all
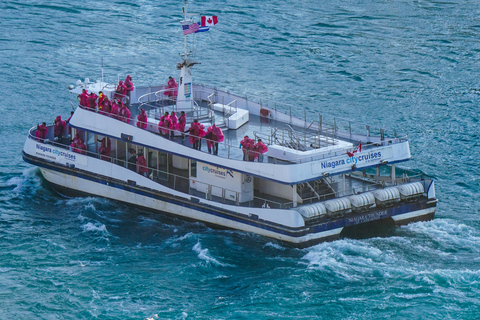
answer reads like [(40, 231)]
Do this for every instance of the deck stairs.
[(315, 190)]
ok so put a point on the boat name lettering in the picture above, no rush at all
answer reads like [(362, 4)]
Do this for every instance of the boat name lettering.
[(352, 160), (217, 172), (368, 217), (55, 151)]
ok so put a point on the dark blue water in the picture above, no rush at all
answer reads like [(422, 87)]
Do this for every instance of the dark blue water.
[(408, 65)]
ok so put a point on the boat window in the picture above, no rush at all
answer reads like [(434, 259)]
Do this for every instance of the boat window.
[(163, 165), (193, 169), (132, 151), (91, 142)]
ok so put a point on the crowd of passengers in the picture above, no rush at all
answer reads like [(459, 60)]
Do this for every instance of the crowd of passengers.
[(169, 124)]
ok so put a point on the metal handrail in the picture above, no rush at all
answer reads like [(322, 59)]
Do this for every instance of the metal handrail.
[(175, 177), (371, 186), (338, 122)]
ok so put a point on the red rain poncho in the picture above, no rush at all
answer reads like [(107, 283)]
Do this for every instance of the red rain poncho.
[(142, 119), (171, 89), (59, 127)]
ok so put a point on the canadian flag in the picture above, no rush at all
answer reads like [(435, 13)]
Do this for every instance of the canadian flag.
[(357, 149), (208, 21)]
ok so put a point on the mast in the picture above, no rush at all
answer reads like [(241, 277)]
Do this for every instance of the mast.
[(184, 97)]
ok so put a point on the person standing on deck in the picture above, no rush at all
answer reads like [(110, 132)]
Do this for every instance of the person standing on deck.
[(164, 125), (142, 119), (73, 146), (142, 165), (81, 148), (124, 114), (83, 98), (209, 139), (58, 129), (260, 148), (105, 106), (129, 85), (251, 150), (101, 96), (114, 110), (196, 132), (171, 89), (41, 133), (245, 145), (173, 126), (218, 136), (105, 149), (182, 120), (92, 101), (132, 161), (121, 91)]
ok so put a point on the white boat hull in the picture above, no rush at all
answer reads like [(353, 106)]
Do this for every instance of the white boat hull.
[(69, 184)]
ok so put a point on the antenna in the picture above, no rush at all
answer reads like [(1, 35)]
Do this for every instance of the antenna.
[(102, 73)]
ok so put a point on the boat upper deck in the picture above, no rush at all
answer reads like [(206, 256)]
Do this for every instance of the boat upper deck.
[(331, 145)]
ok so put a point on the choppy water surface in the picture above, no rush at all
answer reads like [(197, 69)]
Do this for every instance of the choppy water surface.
[(408, 65)]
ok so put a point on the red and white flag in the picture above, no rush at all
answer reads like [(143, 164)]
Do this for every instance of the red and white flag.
[(208, 21), (357, 149)]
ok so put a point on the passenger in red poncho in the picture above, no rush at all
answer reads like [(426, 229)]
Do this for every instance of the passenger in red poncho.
[(165, 124), (81, 148), (124, 114), (209, 139), (92, 101), (182, 120), (142, 165), (260, 148), (196, 132), (105, 106), (41, 133), (142, 119), (114, 110), (129, 85), (213, 136), (174, 125), (83, 98), (245, 145), (121, 90), (58, 128), (101, 96), (105, 149), (218, 136), (73, 146), (171, 89)]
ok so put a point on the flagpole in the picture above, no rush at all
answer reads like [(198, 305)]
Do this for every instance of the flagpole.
[(185, 36)]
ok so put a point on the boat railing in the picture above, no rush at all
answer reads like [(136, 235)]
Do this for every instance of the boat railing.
[(326, 137), (304, 118), (219, 194), (160, 100), (171, 180)]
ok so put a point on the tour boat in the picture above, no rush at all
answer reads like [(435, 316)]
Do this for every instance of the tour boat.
[(322, 177)]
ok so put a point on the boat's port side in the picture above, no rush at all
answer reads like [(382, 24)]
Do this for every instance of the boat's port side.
[(205, 180), (323, 205)]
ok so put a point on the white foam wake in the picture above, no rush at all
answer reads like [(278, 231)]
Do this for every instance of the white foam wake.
[(204, 255)]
